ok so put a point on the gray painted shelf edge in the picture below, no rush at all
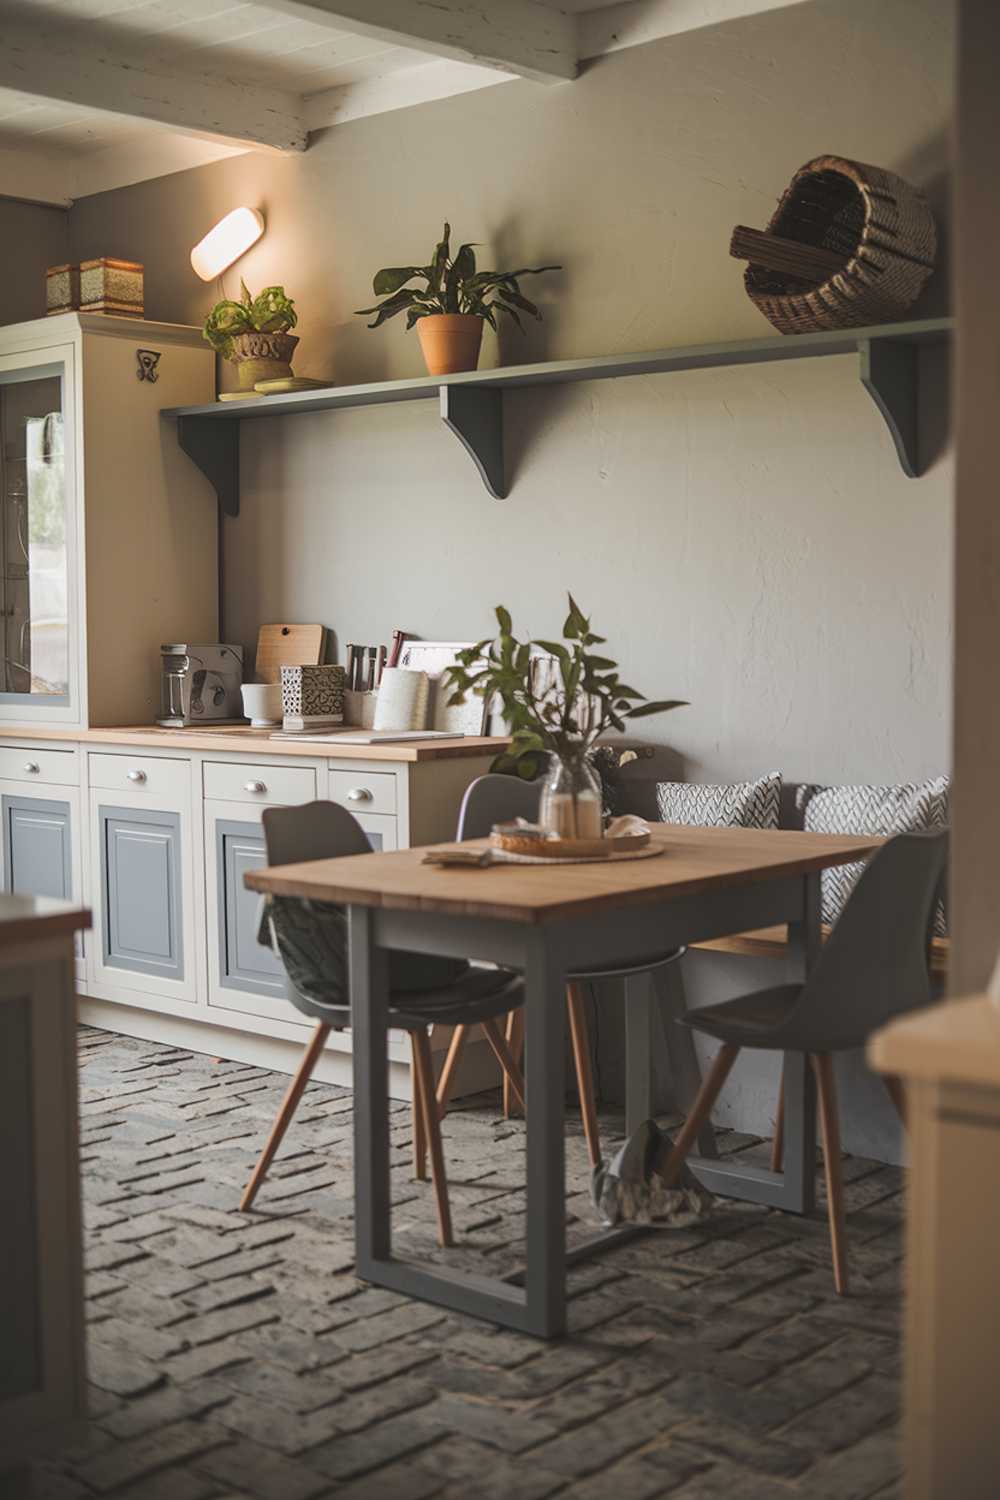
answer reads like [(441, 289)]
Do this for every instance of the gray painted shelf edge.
[(472, 403)]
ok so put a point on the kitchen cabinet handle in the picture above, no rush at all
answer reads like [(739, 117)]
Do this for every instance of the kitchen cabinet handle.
[(255, 786), (359, 794), (137, 776), (32, 767)]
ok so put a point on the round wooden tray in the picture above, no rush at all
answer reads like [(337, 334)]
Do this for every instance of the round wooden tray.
[(512, 843)]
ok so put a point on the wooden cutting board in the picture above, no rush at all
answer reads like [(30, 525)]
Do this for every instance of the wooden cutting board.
[(287, 645)]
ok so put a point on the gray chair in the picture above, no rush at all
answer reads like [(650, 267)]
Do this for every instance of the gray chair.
[(500, 799), (311, 939), (874, 965)]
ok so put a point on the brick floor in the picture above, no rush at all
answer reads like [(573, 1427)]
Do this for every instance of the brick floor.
[(235, 1357)]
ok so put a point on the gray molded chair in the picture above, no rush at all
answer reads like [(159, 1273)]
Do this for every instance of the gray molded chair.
[(311, 939), (874, 965), (500, 799)]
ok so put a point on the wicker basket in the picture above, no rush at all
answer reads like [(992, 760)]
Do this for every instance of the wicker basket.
[(880, 224)]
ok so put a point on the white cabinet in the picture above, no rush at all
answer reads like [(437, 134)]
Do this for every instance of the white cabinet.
[(41, 836), (108, 533), (244, 978), (144, 882)]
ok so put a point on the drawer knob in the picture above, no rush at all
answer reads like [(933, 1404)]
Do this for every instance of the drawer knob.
[(359, 794), (32, 767), (137, 776), (255, 786)]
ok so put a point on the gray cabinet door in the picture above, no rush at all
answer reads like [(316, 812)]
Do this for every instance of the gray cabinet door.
[(37, 848), (141, 886), (243, 963)]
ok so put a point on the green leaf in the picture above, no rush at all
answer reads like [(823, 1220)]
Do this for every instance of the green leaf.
[(245, 296), (554, 649), (503, 619), (509, 295), (393, 277), (643, 710)]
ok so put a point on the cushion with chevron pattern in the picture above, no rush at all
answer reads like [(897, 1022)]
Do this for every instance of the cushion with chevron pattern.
[(884, 810), (740, 804)]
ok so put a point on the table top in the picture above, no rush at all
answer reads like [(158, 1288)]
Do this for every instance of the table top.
[(27, 918), (954, 1042), (241, 739), (693, 860)]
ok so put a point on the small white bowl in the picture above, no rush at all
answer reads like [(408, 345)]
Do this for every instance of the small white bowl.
[(262, 704)]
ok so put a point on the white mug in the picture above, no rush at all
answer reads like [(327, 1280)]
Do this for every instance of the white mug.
[(262, 703)]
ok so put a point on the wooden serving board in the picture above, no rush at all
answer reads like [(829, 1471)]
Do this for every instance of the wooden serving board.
[(511, 843), (289, 646)]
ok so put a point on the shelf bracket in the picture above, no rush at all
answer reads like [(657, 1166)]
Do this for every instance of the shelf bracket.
[(475, 415), (215, 447), (889, 373)]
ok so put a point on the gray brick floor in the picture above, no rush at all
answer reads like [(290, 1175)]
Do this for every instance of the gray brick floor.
[(236, 1355)]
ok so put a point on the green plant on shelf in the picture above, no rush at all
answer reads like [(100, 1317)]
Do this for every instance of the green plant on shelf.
[(269, 312), (452, 285)]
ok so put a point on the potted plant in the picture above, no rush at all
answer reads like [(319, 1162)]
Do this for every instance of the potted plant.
[(253, 334), (450, 309), (562, 718)]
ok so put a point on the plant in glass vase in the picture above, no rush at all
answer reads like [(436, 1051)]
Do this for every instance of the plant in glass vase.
[(558, 713)]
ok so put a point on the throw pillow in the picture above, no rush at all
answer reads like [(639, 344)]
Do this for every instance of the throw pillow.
[(740, 804)]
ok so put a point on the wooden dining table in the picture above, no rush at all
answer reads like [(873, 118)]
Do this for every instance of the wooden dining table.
[(545, 921)]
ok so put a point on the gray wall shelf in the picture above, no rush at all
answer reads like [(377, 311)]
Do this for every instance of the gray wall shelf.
[(471, 404)]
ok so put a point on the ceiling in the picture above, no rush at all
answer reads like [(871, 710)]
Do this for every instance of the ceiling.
[(94, 93)]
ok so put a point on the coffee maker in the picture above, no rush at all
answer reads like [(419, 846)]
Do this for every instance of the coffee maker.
[(200, 685)]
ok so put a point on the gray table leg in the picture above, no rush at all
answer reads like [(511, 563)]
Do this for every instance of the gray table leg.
[(369, 1010), (545, 1026), (805, 939), (638, 1053), (685, 1070)]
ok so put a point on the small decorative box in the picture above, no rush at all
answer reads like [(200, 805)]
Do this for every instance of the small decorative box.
[(62, 290), (111, 286), (312, 697)]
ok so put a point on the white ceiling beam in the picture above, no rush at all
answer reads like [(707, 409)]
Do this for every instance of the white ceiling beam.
[(72, 65), (525, 37), (612, 28)]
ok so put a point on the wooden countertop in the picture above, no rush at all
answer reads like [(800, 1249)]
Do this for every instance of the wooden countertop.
[(957, 1041), (32, 918), (241, 739), (693, 860)]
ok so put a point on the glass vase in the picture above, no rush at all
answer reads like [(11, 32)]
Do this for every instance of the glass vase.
[(570, 804)]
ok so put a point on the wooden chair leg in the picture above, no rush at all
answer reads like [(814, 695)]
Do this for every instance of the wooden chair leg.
[(504, 1056), (459, 1037), (700, 1112), (778, 1144), (897, 1093), (580, 1035), (419, 1131), (515, 1041), (432, 1125), (823, 1066), (289, 1105)]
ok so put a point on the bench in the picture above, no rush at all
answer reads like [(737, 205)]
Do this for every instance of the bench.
[(772, 942)]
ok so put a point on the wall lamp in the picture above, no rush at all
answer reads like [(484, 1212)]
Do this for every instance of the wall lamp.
[(226, 242)]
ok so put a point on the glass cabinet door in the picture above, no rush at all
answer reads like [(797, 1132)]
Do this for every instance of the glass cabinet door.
[(35, 584)]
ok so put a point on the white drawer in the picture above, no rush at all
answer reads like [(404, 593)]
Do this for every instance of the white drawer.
[(364, 791), (141, 773), (232, 781), (58, 766)]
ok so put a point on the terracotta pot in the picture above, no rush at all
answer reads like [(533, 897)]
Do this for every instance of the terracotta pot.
[(450, 342), (262, 356)]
